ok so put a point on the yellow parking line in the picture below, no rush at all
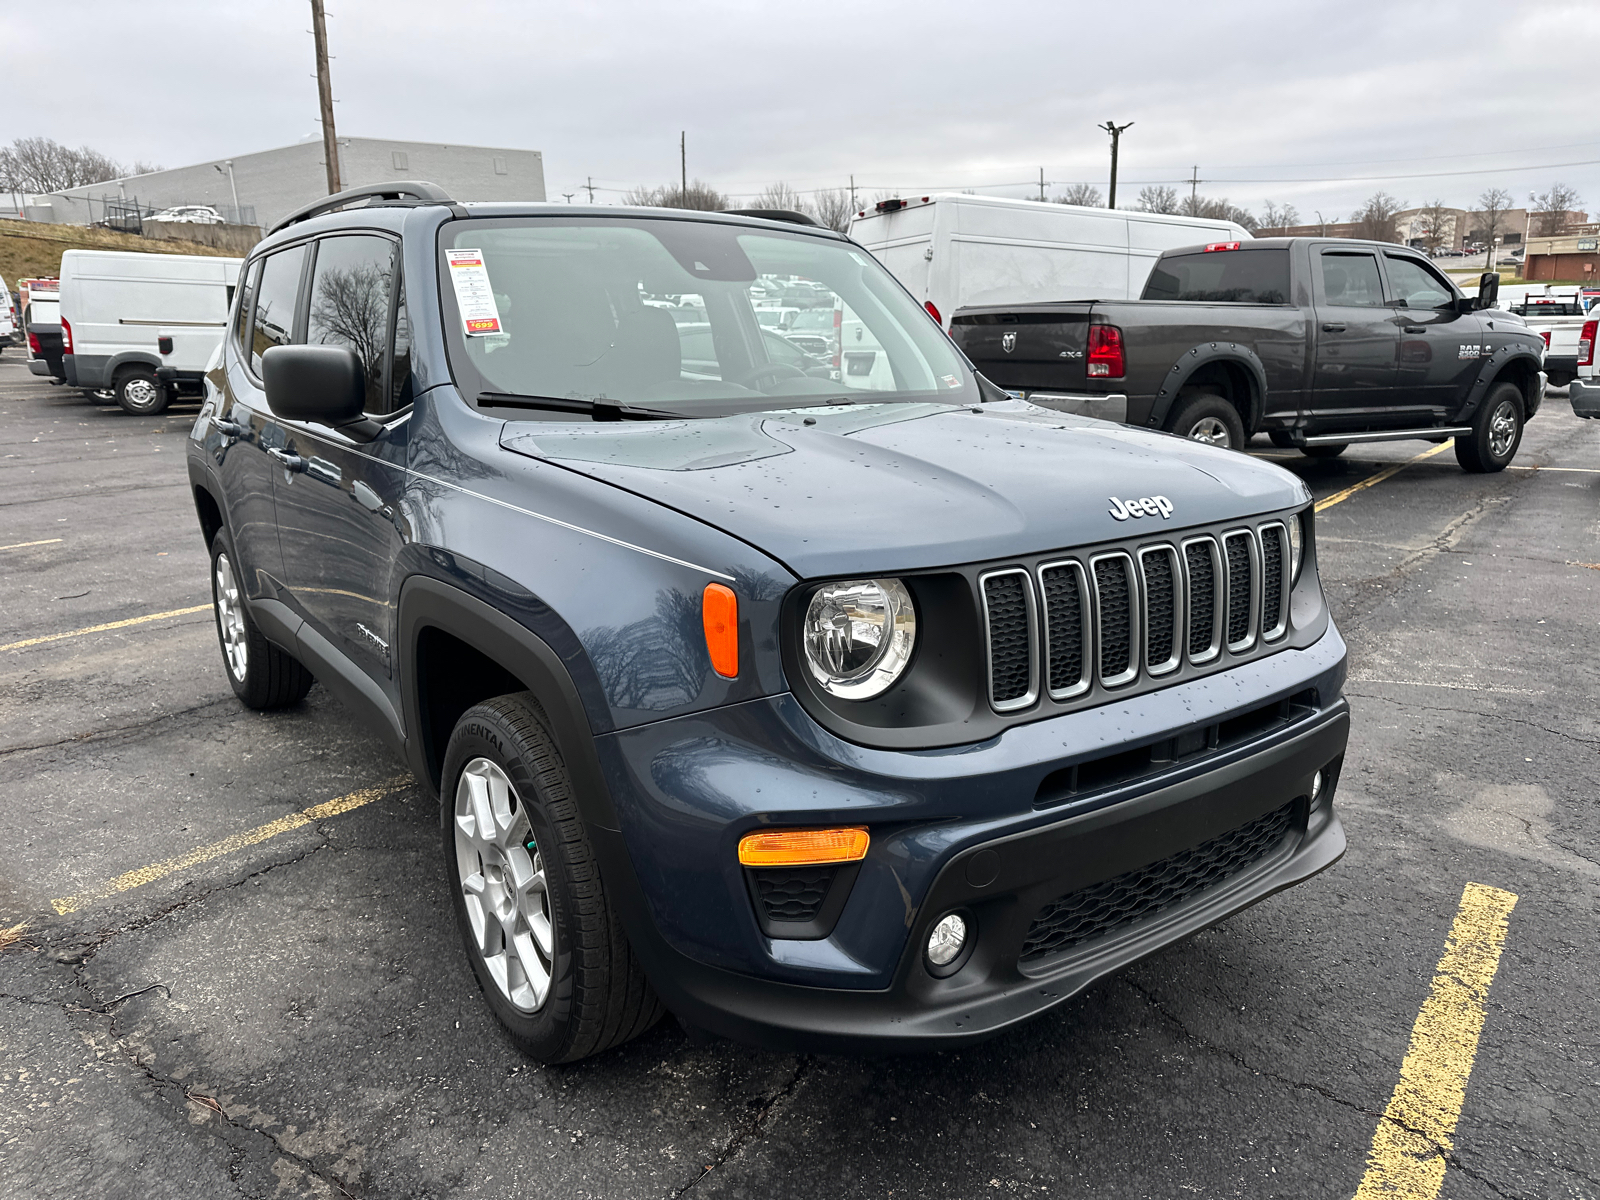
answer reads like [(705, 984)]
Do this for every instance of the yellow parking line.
[(1407, 1159), (228, 845), (56, 637), (24, 545), (1340, 497)]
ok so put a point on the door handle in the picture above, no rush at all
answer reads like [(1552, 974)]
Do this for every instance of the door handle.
[(291, 462), (1333, 327), (230, 428), (1416, 329)]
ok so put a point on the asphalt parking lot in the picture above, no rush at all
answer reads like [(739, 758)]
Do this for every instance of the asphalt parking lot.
[(229, 965)]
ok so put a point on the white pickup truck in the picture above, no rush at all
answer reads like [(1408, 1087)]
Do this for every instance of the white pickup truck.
[(1557, 317), (1582, 392)]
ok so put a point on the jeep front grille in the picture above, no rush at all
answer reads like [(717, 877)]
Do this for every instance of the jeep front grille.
[(1106, 619)]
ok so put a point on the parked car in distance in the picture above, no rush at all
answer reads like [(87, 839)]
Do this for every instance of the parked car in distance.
[(8, 318), (41, 326), (189, 214), (143, 325), (953, 250), (1319, 343), (818, 723), (1558, 318)]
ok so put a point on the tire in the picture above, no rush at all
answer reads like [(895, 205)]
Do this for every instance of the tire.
[(1496, 432), (262, 675), (1326, 450), (1207, 417), (140, 393), (564, 982), (1281, 438), (100, 395)]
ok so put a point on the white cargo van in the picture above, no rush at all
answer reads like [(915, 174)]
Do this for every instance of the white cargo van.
[(143, 325), (953, 250), (8, 317)]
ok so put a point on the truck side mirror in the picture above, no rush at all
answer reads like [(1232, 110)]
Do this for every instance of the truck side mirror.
[(1488, 289), (323, 384)]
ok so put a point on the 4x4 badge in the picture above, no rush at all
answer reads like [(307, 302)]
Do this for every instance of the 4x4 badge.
[(1147, 506), (1008, 342)]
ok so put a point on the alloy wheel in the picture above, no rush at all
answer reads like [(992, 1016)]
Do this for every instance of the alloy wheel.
[(1211, 431), (230, 619), (1502, 429), (503, 883)]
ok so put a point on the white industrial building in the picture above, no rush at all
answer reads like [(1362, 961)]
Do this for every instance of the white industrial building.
[(262, 188)]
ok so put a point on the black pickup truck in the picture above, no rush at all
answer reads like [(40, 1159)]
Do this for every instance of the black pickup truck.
[(1316, 342)]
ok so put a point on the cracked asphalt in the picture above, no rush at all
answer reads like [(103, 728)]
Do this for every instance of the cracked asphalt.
[(296, 1018)]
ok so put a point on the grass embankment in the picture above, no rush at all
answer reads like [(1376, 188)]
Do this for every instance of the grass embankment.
[(32, 249)]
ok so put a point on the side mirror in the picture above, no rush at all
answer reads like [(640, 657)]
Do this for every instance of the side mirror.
[(1488, 290), (324, 384)]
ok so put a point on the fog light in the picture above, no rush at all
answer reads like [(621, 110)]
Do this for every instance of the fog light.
[(946, 940), (1316, 786)]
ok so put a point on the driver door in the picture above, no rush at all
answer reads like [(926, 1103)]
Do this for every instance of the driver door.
[(1439, 346)]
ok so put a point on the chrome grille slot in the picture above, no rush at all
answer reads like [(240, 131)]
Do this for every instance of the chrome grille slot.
[(1116, 618), (1239, 550), (1274, 593), (1009, 626), (1203, 565), (1163, 609), (1068, 653)]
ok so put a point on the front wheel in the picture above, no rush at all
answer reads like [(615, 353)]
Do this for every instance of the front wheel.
[(1496, 432), (545, 944), (1207, 417)]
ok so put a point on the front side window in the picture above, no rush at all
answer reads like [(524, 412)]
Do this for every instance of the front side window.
[(1351, 281), (350, 291), (275, 303), (1222, 276), (689, 317), (1416, 284)]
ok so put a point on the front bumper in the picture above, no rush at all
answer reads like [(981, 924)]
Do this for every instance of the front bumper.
[(949, 834)]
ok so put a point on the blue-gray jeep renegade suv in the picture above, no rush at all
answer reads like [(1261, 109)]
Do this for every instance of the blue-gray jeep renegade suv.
[(823, 699)]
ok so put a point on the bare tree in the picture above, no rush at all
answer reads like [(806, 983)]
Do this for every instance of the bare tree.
[(1374, 221), (1437, 226), (1492, 207), (1158, 199), (1551, 208), (1274, 216), (1084, 194), (700, 196), (1218, 208), (831, 207), (40, 164), (780, 195)]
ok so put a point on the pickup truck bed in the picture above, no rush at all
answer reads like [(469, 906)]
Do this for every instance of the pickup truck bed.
[(1317, 342)]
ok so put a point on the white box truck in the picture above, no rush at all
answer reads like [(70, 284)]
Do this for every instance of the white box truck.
[(952, 250), (143, 325)]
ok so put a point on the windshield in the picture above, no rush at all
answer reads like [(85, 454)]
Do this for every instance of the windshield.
[(690, 317), (1222, 276)]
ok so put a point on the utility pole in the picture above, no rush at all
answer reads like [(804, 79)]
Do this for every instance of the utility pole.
[(1116, 133), (683, 164), (1194, 191), (852, 193), (589, 187), (232, 186), (568, 196), (1320, 221), (1041, 182), (330, 141)]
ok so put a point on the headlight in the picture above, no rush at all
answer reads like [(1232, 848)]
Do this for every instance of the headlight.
[(1297, 540), (858, 636)]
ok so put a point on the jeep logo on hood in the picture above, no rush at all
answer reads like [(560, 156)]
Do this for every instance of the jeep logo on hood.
[(1147, 506)]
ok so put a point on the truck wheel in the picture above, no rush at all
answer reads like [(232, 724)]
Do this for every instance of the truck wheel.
[(1207, 417), (545, 945), (1326, 450), (140, 393), (1496, 432), (100, 395), (262, 676)]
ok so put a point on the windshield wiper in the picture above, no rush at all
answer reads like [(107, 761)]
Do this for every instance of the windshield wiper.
[(598, 409)]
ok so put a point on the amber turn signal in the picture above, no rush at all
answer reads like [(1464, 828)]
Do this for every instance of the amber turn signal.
[(803, 847), (719, 610)]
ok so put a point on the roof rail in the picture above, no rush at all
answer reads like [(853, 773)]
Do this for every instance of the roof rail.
[(412, 190), (772, 214)]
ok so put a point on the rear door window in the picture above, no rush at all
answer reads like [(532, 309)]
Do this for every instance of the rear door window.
[(351, 289), (1351, 280), (276, 297), (1222, 277)]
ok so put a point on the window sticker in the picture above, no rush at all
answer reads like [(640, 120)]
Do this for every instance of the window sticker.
[(474, 297)]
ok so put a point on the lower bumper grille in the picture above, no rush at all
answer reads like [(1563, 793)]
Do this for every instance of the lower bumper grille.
[(1106, 907), (792, 894)]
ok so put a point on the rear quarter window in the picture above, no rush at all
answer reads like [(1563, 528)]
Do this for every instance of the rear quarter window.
[(1222, 276)]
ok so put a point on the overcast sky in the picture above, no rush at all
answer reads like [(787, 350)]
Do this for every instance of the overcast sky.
[(1314, 104)]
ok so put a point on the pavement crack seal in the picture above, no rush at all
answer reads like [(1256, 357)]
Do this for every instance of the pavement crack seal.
[(1413, 1141), (1472, 712), (755, 1129), (129, 880), (96, 735)]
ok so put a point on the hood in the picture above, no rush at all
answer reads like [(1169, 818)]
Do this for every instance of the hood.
[(898, 487)]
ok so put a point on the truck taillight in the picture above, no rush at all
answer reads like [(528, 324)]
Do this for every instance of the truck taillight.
[(1105, 352), (66, 337), (1586, 344), (1545, 334), (934, 313), (1221, 246), (33, 343)]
